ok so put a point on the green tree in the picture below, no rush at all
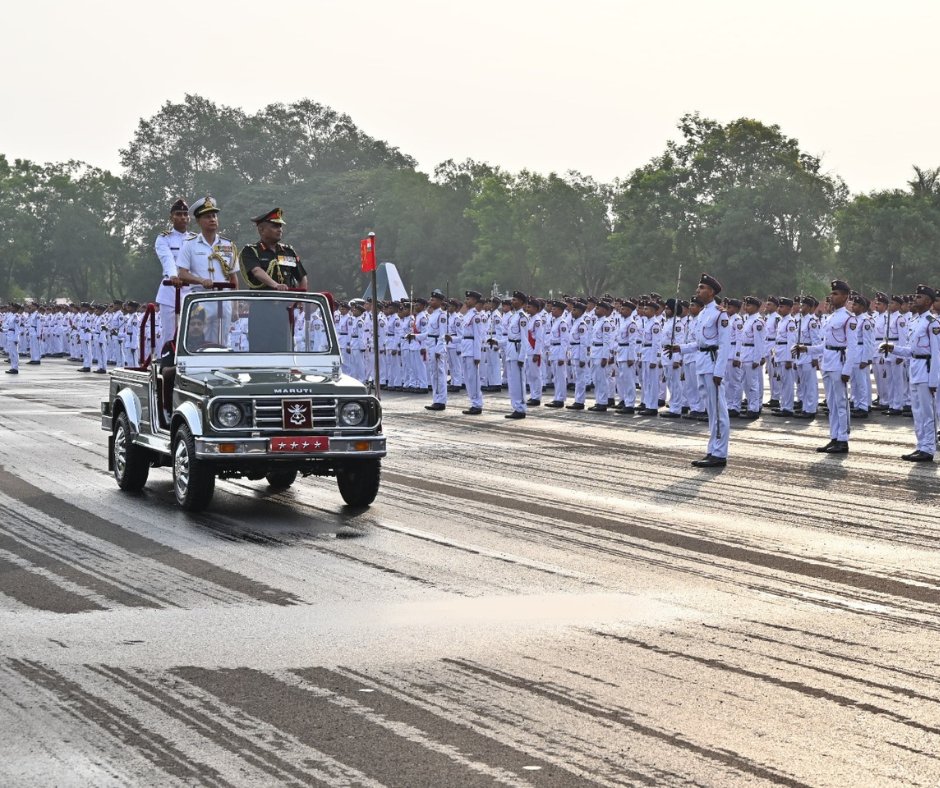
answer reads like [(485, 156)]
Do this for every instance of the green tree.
[(890, 240), (740, 200)]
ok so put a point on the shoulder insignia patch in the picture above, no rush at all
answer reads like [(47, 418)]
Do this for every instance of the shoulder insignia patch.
[(476, 320), (759, 326), (655, 329), (936, 329), (724, 323), (852, 324), (791, 327), (866, 326)]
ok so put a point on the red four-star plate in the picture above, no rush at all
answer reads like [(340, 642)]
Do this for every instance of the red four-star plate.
[(304, 444)]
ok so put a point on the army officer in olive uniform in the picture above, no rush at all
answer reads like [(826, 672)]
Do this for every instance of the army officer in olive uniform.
[(270, 265)]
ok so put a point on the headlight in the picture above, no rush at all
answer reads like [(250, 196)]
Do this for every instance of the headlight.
[(229, 415), (352, 414)]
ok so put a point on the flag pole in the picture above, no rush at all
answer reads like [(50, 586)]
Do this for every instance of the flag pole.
[(375, 322)]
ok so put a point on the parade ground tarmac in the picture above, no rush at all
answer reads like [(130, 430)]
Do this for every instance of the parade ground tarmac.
[(555, 601)]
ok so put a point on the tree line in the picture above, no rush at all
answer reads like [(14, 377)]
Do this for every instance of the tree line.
[(741, 200)]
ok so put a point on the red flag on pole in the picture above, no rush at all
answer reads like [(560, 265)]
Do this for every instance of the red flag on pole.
[(367, 253)]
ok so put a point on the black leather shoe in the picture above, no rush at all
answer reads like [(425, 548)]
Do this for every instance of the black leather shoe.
[(750, 415), (838, 447), (804, 415), (893, 412), (101, 372), (734, 413), (647, 412), (668, 414), (710, 461), (685, 409), (823, 449), (918, 456), (13, 372), (472, 411), (859, 414), (575, 406), (554, 404), (598, 408), (784, 413), (33, 362), (516, 414), (83, 369), (435, 406), (628, 411), (662, 403), (774, 403), (533, 403)]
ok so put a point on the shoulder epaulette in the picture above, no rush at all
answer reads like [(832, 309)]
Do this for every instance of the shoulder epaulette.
[(165, 233)]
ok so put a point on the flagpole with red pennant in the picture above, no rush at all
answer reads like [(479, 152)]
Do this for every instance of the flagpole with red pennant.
[(367, 258)]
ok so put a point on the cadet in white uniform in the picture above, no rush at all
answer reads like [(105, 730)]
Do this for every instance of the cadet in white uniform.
[(922, 347), (435, 343), (808, 332), (838, 350), (711, 358), (471, 351), (516, 328), (557, 352)]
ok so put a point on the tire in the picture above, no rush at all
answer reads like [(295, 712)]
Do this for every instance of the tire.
[(193, 481), (281, 480), (131, 462), (359, 481)]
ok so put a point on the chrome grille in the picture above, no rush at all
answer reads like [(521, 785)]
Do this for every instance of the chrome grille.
[(268, 414)]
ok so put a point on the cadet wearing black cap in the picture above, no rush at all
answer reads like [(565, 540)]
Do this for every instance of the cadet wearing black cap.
[(270, 264), (711, 351), (922, 347), (839, 351), (471, 351)]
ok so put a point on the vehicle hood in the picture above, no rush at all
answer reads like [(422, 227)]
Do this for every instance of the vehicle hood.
[(271, 383)]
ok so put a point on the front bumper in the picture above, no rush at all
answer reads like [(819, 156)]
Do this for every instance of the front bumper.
[(228, 449)]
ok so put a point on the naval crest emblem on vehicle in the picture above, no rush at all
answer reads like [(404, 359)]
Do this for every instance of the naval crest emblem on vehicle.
[(296, 414)]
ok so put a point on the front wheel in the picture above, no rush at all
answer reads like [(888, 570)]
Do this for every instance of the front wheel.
[(359, 481), (131, 462), (193, 481)]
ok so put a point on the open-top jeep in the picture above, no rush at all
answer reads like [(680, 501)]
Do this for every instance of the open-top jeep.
[(251, 388)]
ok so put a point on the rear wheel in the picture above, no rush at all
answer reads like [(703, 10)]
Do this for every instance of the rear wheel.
[(131, 462), (193, 481), (281, 480), (359, 481)]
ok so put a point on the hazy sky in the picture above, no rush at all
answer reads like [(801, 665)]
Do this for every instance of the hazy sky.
[(596, 86)]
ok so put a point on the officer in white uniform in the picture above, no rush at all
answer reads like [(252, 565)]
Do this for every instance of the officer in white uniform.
[(206, 259), (711, 359), (922, 347), (168, 246)]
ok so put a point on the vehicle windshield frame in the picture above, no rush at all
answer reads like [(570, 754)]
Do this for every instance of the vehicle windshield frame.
[(205, 298)]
